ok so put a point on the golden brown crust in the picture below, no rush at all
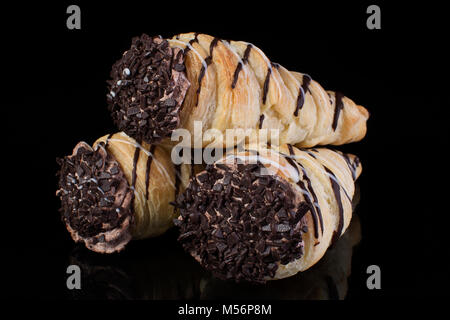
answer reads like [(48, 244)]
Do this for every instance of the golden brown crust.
[(118, 190), (234, 85), (325, 178), (292, 225), (328, 172), (152, 212)]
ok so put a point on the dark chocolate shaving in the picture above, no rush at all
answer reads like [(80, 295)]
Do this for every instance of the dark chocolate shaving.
[(96, 200), (147, 89), (239, 223)]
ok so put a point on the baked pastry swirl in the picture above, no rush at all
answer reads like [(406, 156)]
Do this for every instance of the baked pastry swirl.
[(267, 213), (118, 190), (162, 84)]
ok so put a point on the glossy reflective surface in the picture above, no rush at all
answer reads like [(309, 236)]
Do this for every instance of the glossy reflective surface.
[(160, 269)]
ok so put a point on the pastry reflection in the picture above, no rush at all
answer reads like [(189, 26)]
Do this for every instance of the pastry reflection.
[(155, 269), (158, 269)]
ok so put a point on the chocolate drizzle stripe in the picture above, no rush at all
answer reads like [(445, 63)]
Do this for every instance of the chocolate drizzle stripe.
[(290, 161), (261, 120), (137, 151), (306, 82), (315, 209), (202, 73), (148, 169), (310, 153), (200, 78), (333, 176), (303, 89), (236, 75), (191, 42), (316, 201), (329, 96), (208, 61), (266, 84), (293, 163), (240, 65), (311, 205), (213, 45), (349, 164), (337, 110), (336, 190), (247, 53), (300, 101), (291, 149)]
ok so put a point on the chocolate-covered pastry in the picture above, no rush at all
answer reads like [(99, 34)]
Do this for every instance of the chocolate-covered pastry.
[(263, 214), (162, 84), (147, 89), (118, 190), (326, 280)]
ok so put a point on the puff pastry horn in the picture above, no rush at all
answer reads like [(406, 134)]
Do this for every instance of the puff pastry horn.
[(327, 280), (160, 85), (262, 214), (118, 190)]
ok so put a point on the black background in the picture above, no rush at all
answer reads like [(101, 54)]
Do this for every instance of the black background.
[(55, 97)]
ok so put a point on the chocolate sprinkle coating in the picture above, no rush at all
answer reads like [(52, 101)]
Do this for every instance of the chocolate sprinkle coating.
[(95, 198), (147, 89), (239, 223)]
